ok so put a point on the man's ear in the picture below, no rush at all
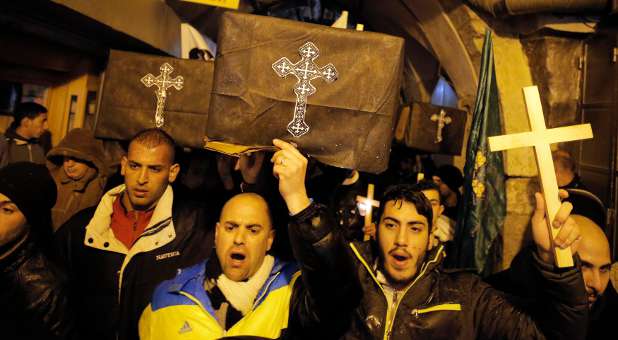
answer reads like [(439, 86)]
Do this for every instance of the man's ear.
[(123, 165), (441, 209), (25, 122), (432, 239), (271, 238), (217, 225), (174, 170)]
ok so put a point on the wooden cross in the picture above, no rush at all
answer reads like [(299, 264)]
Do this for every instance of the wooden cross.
[(304, 70), (162, 82), (368, 204), (442, 120), (540, 138)]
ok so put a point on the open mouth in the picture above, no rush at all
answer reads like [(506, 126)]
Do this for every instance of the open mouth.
[(237, 256), (400, 259), (237, 259)]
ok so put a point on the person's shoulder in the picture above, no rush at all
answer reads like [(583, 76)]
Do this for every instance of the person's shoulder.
[(168, 293), (77, 222), (459, 277)]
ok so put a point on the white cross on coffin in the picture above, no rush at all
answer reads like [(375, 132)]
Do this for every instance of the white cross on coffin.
[(304, 70)]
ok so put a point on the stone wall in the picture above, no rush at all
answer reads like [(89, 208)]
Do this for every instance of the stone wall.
[(549, 61)]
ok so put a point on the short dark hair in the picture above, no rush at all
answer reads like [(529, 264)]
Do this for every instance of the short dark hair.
[(407, 193), (426, 184), (154, 137), (29, 110)]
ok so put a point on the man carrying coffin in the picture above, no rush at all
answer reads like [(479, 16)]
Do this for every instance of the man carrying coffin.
[(396, 288)]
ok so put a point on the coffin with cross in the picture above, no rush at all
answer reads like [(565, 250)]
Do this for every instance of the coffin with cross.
[(143, 91), (334, 92), (431, 128)]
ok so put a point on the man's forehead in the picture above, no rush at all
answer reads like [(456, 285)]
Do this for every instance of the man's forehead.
[(159, 154), (432, 194), (245, 209), (403, 211)]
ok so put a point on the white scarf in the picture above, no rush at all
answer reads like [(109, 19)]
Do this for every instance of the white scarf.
[(241, 295)]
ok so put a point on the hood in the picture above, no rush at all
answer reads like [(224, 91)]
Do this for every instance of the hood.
[(11, 134), (81, 144)]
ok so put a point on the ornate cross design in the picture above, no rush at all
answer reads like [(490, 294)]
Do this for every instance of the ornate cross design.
[(442, 120), (304, 70), (162, 82)]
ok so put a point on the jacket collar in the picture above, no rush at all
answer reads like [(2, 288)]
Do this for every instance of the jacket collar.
[(18, 139), (159, 232), (368, 254), (191, 281)]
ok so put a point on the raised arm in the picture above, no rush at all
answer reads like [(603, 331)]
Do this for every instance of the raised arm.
[(329, 287)]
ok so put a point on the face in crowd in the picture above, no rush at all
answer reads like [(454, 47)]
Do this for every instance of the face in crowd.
[(404, 237), (595, 257), (445, 191), (34, 127), (433, 196), (243, 235), (12, 221), (147, 171), (74, 168)]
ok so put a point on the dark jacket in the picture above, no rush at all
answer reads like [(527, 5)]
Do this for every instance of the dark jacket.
[(33, 297), (74, 196), (111, 284), (15, 148), (438, 304), (522, 287)]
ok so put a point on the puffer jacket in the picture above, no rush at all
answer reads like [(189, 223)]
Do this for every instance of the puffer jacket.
[(438, 304), (74, 196), (33, 297), (111, 284)]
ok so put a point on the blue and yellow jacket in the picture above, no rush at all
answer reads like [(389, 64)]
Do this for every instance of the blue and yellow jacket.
[(181, 307)]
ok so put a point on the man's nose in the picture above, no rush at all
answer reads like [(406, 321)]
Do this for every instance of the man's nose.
[(401, 239), (143, 176), (595, 282), (239, 236)]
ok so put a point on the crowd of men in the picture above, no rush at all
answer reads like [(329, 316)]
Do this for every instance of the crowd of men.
[(274, 251)]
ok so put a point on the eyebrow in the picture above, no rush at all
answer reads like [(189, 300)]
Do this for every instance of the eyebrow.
[(399, 222), (151, 166), (392, 219), (590, 264), (9, 202)]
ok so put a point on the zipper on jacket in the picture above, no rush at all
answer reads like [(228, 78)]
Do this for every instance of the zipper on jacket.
[(29, 152), (389, 326), (390, 314), (389, 329), (265, 290)]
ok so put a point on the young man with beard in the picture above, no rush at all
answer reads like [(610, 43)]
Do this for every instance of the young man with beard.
[(397, 289), (137, 236)]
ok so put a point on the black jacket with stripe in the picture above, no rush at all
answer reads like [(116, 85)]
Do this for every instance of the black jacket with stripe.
[(438, 304)]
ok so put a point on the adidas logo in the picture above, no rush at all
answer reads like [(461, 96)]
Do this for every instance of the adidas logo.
[(185, 328)]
